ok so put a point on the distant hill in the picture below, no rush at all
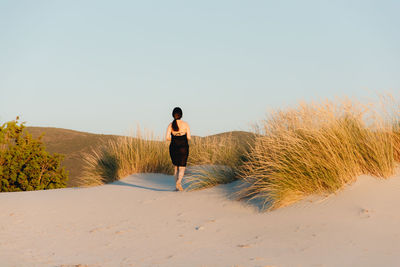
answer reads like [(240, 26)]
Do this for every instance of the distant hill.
[(236, 135), (74, 144), (242, 138)]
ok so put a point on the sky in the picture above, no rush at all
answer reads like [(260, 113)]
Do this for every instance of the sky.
[(110, 66)]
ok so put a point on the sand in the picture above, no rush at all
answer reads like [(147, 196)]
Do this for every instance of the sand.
[(139, 221)]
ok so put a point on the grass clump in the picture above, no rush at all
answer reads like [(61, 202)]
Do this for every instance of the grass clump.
[(396, 136), (124, 156), (317, 149), (212, 160), (215, 160), (216, 150), (205, 176)]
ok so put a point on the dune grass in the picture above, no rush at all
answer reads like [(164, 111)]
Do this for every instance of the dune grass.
[(215, 160), (214, 150), (211, 159), (205, 176), (124, 156), (396, 134), (316, 149)]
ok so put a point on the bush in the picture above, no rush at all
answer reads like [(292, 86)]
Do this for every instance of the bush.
[(25, 164)]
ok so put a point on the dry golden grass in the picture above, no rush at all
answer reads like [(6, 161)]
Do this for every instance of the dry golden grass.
[(396, 134), (311, 149), (124, 156), (216, 160), (205, 176), (318, 148), (216, 150), (397, 144)]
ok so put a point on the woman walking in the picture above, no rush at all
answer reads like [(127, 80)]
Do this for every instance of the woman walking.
[(178, 132)]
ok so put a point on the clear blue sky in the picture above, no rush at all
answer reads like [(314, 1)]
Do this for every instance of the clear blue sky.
[(106, 66)]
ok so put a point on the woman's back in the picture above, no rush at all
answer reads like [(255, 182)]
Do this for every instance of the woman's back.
[(184, 129)]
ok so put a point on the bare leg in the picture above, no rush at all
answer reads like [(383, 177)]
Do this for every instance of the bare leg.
[(181, 173), (176, 175)]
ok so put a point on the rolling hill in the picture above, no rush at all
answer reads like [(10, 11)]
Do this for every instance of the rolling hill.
[(74, 144)]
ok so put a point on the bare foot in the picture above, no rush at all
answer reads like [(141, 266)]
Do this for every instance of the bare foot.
[(179, 187)]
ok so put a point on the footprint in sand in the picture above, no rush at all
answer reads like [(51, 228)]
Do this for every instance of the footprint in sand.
[(96, 229), (122, 231), (365, 213), (202, 227)]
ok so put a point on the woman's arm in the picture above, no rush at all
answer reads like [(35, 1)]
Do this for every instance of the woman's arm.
[(168, 135), (188, 132)]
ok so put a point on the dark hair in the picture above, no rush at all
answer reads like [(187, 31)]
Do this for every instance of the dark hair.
[(177, 114)]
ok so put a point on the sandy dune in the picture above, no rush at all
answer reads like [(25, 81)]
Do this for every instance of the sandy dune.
[(139, 221)]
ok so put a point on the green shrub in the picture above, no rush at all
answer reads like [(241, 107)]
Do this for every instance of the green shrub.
[(25, 164)]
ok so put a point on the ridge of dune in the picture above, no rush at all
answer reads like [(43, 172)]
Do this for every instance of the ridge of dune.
[(140, 221)]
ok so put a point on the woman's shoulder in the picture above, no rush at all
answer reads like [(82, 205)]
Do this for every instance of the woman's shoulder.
[(185, 123)]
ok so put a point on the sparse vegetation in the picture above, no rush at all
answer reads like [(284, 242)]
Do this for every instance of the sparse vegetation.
[(205, 176), (216, 160), (123, 156), (317, 149), (213, 160), (218, 150), (311, 149), (396, 133), (25, 164)]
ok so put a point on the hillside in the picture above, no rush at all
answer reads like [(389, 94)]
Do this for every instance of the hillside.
[(74, 144)]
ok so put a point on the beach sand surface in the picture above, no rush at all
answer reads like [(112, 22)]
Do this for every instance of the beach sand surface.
[(140, 221)]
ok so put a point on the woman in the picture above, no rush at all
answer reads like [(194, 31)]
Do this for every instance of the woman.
[(178, 133)]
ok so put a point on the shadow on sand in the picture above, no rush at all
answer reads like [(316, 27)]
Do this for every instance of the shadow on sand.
[(166, 183), (232, 191), (152, 182), (144, 187)]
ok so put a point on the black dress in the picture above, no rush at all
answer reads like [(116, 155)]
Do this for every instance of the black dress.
[(179, 149)]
